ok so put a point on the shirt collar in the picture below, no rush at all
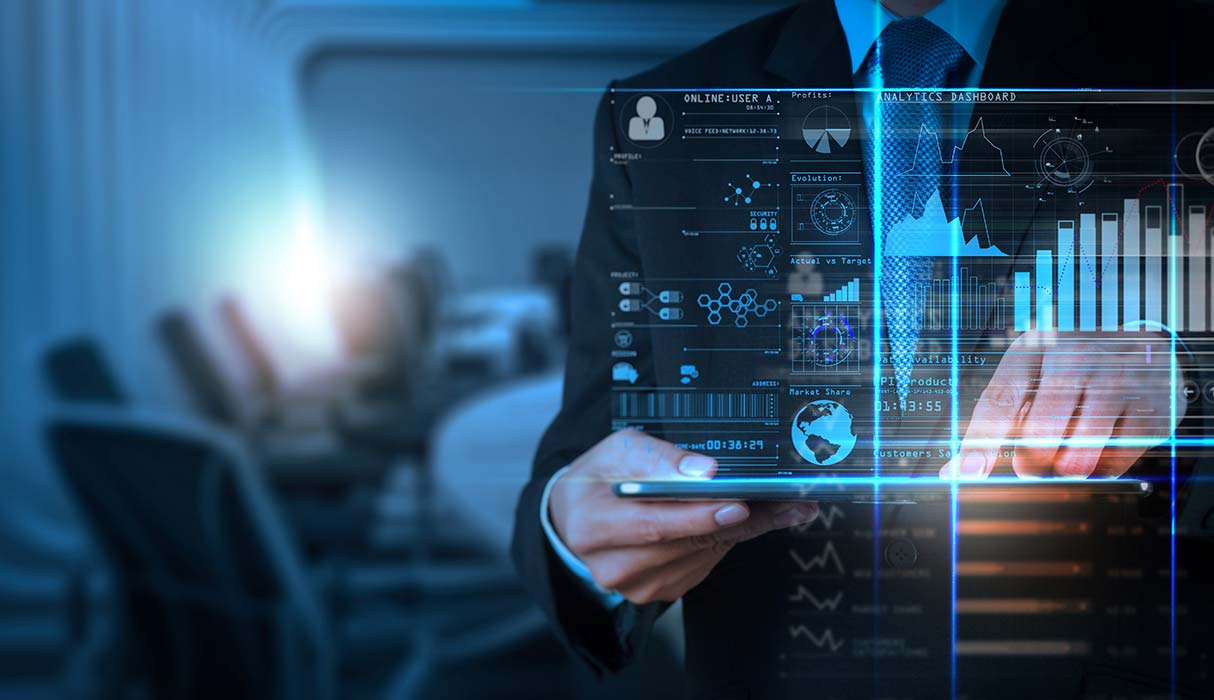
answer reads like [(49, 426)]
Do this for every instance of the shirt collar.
[(971, 23)]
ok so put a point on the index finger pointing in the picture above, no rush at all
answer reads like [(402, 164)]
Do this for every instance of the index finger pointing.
[(995, 414)]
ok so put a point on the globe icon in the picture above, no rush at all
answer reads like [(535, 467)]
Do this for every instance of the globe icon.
[(822, 433)]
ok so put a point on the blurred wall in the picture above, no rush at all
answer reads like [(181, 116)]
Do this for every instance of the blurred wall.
[(146, 146), (483, 160), (470, 131)]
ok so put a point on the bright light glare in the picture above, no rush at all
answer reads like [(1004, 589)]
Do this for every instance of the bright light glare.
[(304, 271)]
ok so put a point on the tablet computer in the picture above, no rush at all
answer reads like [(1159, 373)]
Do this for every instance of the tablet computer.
[(871, 489)]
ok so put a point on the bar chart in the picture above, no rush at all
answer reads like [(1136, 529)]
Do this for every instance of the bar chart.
[(1140, 268), (982, 306), (848, 292)]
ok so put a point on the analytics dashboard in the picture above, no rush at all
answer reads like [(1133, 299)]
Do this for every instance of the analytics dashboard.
[(1082, 217), (749, 319)]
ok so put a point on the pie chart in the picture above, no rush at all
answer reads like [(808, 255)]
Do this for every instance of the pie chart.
[(826, 129)]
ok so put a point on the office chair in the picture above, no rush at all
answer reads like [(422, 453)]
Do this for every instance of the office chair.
[(388, 325), (552, 269), (77, 370), (216, 600), (396, 430), (201, 375), (426, 278), (331, 491), (388, 429), (215, 401), (74, 371), (264, 375), (375, 334), (278, 406), (384, 334), (327, 490)]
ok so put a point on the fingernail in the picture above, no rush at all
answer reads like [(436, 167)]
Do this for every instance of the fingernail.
[(732, 514), (974, 464), (695, 465), (802, 513), (808, 512)]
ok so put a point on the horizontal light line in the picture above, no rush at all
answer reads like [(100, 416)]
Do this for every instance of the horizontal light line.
[(1021, 647)]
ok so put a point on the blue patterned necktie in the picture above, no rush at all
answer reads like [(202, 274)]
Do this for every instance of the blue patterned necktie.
[(910, 53)]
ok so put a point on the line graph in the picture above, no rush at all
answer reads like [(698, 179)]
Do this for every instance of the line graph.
[(933, 234), (823, 640), (929, 149), (820, 562), (824, 604)]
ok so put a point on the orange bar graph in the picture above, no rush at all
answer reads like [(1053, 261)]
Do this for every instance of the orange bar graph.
[(1023, 568), (1022, 606), (1023, 527), (1020, 495)]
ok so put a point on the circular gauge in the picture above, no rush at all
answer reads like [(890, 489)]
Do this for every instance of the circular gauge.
[(1065, 162), (1185, 155), (831, 341), (1205, 156), (832, 212)]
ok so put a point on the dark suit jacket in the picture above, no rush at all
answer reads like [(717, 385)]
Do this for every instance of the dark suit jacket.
[(736, 624)]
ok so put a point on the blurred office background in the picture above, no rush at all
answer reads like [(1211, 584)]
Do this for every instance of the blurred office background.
[(282, 321)]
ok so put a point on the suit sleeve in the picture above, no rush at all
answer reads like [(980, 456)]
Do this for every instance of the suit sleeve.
[(607, 639)]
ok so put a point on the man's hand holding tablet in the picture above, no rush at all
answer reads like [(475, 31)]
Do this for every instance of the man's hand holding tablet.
[(653, 550)]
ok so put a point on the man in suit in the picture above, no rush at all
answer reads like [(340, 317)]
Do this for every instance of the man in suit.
[(604, 568)]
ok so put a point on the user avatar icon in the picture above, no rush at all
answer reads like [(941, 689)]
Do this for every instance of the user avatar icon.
[(645, 126)]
